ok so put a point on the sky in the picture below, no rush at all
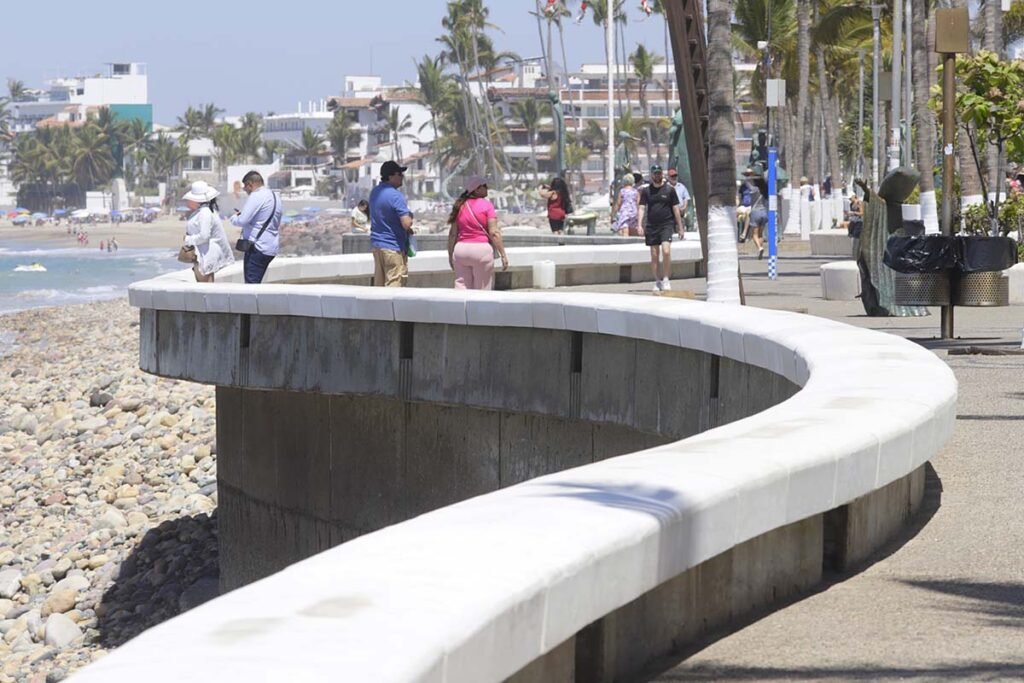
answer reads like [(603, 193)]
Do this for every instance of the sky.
[(255, 56)]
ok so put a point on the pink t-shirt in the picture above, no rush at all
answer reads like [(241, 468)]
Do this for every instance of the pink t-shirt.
[(475, 229)]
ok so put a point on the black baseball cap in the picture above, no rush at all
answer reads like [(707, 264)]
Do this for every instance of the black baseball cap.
[(390, 168), (655, 169)]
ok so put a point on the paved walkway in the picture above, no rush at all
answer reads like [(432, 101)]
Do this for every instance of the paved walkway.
[(946, 600)]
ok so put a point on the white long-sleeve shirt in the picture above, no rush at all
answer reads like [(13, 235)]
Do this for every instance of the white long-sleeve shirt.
[(205, 232), (258, 207)]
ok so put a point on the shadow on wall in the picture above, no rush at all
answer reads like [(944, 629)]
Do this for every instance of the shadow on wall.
[(172, 569)]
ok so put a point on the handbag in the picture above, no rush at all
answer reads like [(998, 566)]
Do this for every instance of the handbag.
[(187, 254), (244, 245)]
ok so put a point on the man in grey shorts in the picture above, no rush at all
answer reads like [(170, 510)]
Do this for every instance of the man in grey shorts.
[(660, 218)]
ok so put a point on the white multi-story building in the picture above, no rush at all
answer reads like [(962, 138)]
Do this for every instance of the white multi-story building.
[(124, 88)]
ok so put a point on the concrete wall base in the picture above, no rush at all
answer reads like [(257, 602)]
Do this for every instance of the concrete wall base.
[(719, 594)]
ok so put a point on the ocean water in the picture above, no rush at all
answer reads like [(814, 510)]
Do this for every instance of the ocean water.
[(73, 274)]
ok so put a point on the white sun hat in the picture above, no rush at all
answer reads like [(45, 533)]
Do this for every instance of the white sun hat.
[(201, 192)]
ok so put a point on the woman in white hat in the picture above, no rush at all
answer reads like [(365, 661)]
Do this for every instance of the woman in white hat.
[(204, 232)]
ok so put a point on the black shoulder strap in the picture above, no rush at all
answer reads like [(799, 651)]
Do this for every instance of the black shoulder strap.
[(266, 223)]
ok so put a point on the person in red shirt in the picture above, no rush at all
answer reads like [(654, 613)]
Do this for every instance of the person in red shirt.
[(559, 203)]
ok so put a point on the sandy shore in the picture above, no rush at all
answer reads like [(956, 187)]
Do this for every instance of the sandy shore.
[(107, 490), (165, 232)]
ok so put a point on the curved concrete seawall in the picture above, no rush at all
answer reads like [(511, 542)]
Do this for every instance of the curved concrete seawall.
[(753, 448)]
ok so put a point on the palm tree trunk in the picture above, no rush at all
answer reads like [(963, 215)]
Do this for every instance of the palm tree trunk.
[(723, 263), (993, 42), (796, 161), (568, 83), (831, 124), (625, 64), (488, 122), (970, 179), (925, 129)]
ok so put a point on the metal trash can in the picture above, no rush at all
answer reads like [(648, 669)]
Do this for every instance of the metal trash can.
[(922, 289), (982, 289)]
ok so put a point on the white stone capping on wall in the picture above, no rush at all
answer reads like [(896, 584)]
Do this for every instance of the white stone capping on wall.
[(356, 265), (475, 591)]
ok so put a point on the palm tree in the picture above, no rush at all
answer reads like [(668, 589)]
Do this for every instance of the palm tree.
[(342, 134), (191, 123), (723, 264), (398, 128), (16, 89), (164, 154), (271, 149), (599, 13), (134, 135), (436, 90), (529, 115), (92, 163), (250, 137), (644, 61), (208, 117), (225, 144), (310, 146)]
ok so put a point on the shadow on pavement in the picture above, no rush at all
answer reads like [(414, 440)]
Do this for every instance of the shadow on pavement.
[(965, 671), (1001, 603)]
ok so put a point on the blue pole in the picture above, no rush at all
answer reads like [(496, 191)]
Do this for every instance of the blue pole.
[(773, 205)]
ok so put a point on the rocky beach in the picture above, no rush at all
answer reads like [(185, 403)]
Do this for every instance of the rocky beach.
[(107, 490)]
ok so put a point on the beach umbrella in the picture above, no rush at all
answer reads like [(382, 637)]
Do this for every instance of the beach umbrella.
[(182, 209), (39, 216), (81, 213), (150, 211), (20, 220), (21, 210), (59, 212)]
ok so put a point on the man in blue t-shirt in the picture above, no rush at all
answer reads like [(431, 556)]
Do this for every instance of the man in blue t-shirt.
[(390, 227)]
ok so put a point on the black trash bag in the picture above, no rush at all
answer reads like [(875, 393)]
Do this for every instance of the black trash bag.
[(924, 254), (912, 228), (986, 254)]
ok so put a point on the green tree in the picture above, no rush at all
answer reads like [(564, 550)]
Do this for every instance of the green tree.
[(92, 163), (164, 155), (225, 144), (644, 61), (16, 89), (398, 127), (528, 113), (310, 146)]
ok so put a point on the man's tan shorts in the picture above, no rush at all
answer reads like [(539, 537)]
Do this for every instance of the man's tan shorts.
[(390, 268)]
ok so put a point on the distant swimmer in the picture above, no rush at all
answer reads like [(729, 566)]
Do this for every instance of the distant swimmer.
[(32, 268)]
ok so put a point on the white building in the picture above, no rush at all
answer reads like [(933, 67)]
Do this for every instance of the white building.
[(70, 98)]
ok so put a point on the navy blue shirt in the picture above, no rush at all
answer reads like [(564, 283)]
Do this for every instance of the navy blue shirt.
[(387, 206)]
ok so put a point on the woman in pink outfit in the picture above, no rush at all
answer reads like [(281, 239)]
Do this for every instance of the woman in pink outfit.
[(473, 238)]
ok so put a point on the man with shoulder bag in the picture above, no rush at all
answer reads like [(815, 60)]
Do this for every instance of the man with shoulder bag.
[(260, 220)]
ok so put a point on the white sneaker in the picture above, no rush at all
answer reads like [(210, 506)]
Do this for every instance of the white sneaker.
[(666, 286), (657, 286)]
